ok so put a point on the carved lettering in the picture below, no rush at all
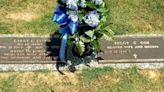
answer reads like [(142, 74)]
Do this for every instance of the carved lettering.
[(151, 47), (121, 43), (130, 48)]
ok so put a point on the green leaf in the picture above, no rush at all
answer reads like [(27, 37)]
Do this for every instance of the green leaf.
[(102, 10), (91, 5), (96, 45), (108, 33), (108, 30), (84, 39), (80, 15), (68, 11), (104, 19), (69, 42), (102, 5), (80, 47), (90, 33), (98, 34)]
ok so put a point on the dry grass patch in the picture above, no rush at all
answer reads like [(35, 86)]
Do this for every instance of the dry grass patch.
[(91, 80), (26, 16), (152, 74)]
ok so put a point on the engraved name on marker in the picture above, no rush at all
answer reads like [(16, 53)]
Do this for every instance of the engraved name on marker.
[(28, 49), (133, 49)]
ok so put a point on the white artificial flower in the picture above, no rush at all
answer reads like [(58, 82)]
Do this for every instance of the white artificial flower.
[(92, 18), (72, 4), (83, 3), (73, 16), (97, 2)]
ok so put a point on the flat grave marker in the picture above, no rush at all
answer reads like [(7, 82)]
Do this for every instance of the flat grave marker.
[(29, 50), (133, 49), (44, 50)]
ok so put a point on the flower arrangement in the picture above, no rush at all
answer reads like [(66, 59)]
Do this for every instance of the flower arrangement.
[(82, 24)]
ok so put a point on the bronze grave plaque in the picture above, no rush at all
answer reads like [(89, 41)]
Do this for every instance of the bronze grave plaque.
[(45, 50), (29, 50), (132, 49)]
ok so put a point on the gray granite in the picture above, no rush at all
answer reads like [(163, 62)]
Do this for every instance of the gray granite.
[(34, 67)]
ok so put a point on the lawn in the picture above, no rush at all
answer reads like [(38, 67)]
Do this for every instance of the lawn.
[(126, 16), (90, 80), (26, 16)]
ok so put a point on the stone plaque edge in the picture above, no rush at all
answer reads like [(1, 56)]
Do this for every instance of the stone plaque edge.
[(132, 61)]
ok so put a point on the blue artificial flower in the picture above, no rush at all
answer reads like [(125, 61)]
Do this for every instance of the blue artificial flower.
[(97, 2), (82, 4), (72, 4), (92, 18)]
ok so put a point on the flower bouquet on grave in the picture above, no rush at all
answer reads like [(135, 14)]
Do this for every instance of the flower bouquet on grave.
[(82, 24)]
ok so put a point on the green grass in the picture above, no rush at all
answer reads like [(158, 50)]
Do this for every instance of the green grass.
[(126, 16), (89, 80), (136, 16), (125, 80), (7, 84), (26, 16)]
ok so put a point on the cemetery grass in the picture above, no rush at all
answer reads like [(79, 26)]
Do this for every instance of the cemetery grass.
[(126, 16), (89, 80)]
